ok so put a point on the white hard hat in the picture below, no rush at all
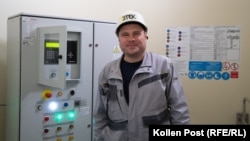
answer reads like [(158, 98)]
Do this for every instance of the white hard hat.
[(130, 17)]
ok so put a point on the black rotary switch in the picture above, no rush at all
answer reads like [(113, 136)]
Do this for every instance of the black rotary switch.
[(72, 92)]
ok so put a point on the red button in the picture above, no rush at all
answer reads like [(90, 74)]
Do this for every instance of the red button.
[(46, 130), (48, 95), (46, 118)]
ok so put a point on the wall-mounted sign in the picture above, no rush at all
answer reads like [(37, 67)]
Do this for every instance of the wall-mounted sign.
[(205, 52)]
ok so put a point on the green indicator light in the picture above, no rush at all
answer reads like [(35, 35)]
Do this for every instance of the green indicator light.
[(71, 115), (59, 117), (52, 44)]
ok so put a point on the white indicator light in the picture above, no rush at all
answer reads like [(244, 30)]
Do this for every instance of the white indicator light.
[(53, 106)]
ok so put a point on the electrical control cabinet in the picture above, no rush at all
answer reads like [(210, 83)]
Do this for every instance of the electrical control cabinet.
[(53, 65)]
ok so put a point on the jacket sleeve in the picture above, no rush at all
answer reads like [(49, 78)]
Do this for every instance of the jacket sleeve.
[(179, 113), (100, 117)]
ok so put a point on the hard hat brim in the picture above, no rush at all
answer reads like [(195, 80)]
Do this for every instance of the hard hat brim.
[(130, 22)]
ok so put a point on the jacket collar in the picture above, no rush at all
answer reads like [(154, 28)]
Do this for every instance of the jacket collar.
[(146, 66)]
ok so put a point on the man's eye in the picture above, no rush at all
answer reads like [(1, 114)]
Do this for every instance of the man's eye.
[(136, 33), (125, 35)]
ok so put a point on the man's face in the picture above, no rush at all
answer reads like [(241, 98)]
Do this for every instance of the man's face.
[(132, 39)]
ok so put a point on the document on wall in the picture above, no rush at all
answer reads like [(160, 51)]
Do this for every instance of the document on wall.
[(205, 52)]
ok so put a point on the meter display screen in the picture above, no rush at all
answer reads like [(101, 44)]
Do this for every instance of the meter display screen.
[(71, 52), (51, 52)]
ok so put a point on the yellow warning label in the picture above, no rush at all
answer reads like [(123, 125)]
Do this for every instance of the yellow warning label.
[(116, 49)]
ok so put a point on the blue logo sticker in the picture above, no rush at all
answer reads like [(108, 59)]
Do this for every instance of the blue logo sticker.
[(209, 75), (192, 75), (200, 75), (225, 75), (217, 75)]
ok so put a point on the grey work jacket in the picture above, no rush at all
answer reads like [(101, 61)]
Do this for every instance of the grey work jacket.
[(156, 96)]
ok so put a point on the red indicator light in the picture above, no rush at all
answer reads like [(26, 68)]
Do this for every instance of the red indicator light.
[(46, 130), (46, 118)]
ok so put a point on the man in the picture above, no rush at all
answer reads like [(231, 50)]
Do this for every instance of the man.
[(138, 89)]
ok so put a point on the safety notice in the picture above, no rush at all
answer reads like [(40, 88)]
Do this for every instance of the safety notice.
[(204, 52)]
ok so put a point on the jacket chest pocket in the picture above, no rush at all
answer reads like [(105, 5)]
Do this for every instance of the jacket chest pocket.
[(115, 101)]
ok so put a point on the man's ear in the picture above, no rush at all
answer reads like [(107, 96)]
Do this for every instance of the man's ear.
[(146, 35)]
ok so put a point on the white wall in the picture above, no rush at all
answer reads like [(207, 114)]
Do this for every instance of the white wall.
[(211, 102)]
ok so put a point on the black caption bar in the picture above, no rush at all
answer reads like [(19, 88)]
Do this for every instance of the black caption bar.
[(200, 132)]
